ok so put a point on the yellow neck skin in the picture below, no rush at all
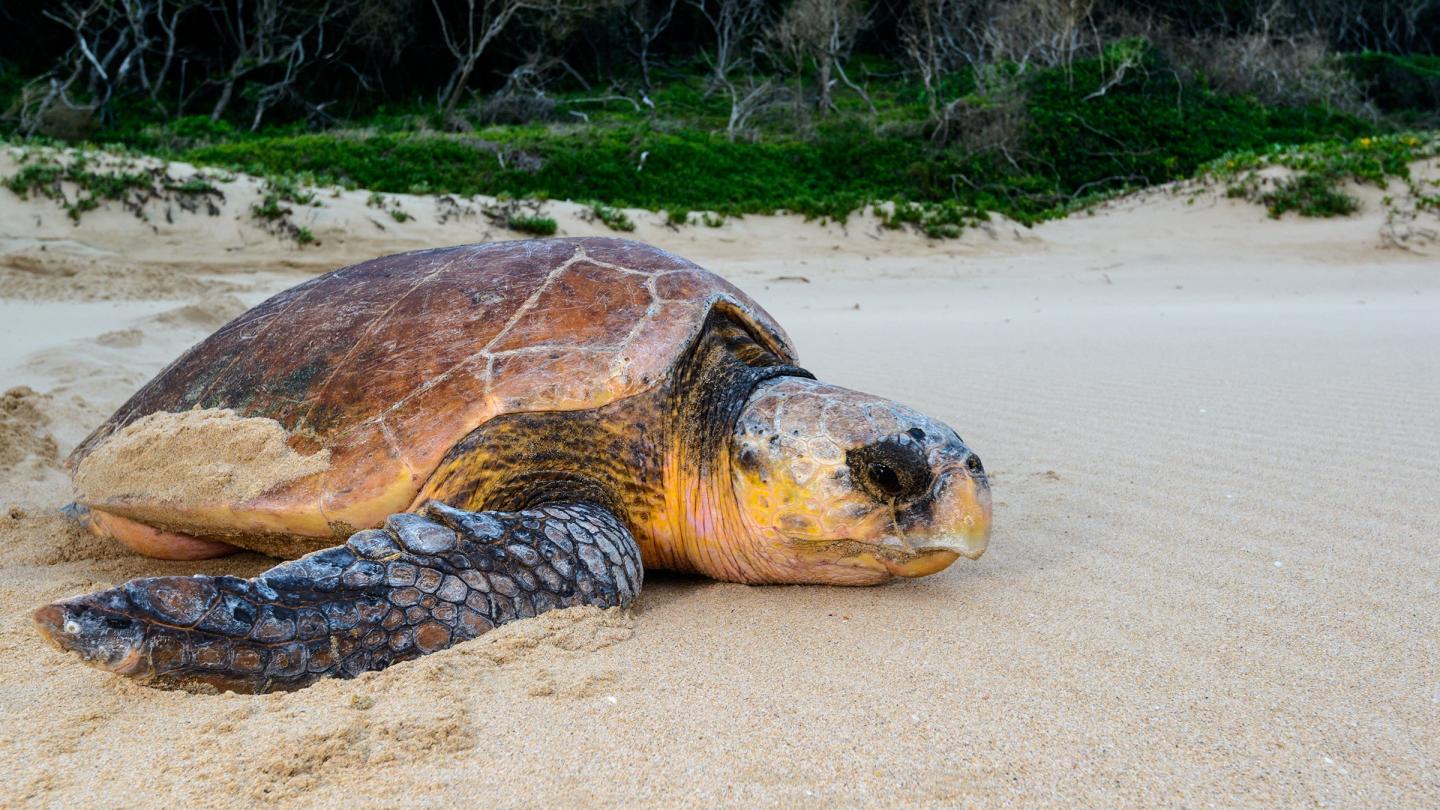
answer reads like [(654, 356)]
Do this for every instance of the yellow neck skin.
[(700, 528)]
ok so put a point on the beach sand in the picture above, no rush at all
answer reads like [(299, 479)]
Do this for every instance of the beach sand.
[(1214, 579)]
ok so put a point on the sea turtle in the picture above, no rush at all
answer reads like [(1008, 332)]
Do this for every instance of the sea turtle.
[(460, 437)]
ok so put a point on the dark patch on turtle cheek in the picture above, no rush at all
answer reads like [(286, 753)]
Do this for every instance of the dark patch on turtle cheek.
[(917, 516), (891, 470), (748, 459)]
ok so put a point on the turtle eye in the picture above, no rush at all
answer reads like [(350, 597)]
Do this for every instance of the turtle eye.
[(885, 479), (891, 469)]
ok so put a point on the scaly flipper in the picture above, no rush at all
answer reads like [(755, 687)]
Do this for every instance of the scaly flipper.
[(418, 585)]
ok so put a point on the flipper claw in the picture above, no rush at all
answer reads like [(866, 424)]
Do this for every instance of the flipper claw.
[(478, 527)]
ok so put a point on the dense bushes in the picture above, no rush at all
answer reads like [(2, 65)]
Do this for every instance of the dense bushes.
[(1396, 82), (1091, 129), (944, 110)]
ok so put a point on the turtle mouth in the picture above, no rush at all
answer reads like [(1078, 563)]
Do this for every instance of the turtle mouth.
[(897, 557)]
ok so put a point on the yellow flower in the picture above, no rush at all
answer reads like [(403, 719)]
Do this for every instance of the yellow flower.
[(1365, 142)]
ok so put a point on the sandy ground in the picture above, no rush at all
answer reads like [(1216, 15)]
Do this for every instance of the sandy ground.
[(1215, 448)]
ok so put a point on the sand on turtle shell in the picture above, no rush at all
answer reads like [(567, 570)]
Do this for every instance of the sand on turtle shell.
[(200, 456)]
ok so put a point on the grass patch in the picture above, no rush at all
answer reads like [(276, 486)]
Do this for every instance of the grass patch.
[(377, 200), (945, 220), (1311, 195)]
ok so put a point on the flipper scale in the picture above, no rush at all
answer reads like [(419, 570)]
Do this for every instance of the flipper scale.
[(422, 583)]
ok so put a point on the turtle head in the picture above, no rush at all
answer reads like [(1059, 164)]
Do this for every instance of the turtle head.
[(93, 626), (840, 487)]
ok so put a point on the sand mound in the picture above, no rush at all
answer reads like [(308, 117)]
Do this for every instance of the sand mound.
[(208, 314), (121, 338), (200, 457), (23, 428), (50, 275), (44, 536)]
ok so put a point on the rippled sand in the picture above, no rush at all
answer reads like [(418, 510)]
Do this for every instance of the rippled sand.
[(1215, 445)]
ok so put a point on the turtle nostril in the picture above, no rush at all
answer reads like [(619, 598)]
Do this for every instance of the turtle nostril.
[(973, 465)]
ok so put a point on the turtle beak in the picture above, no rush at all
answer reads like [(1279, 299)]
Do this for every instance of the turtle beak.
[(959, 525)]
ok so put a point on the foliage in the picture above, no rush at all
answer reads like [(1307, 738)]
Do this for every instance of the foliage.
[(274, 213), (79, 185), (614, 218), (1075, 145), (1317, 172), (1398, 82), (525, 216), (944, 220), (377, 200), (246, 63), (1024, 140), (540, 226)]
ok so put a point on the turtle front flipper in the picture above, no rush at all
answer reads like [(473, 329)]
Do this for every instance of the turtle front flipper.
[(418, 585)]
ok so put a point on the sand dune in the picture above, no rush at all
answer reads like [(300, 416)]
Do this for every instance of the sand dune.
[(1215, 448)]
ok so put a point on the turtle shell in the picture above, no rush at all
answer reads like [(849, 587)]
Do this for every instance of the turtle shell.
[(387, 364)]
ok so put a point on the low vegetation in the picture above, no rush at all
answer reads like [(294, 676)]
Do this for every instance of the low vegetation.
[(1314, 175), (932, 113), (614, 218), (79, 184), (274, 209)]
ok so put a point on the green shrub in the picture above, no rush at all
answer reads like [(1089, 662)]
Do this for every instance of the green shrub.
[(614, 218), (1086, 132), (269, 209), (540, 226), (1311, 195), (272, 211)]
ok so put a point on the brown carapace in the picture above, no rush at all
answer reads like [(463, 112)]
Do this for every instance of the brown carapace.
[(455, 438)]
